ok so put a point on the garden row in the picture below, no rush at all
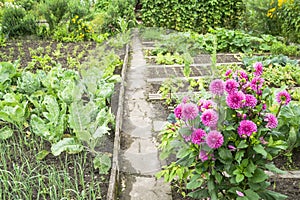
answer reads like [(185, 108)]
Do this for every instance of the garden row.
[(190, 56)]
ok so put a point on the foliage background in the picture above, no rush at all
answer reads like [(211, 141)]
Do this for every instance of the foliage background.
[(197, 15)]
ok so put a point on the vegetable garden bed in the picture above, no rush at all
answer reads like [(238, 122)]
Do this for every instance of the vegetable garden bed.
[(57, 119)]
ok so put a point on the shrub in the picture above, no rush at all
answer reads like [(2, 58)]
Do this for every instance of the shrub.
[(16, 21), (78, 8), (289, 18), (197, 15), (116, 10), (26, 4), (53, 11), (273, 17)]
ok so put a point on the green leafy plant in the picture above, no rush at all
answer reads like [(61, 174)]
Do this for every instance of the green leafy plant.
[(278, 48), (14, 112), (16, 21), (168, 89), (192, 15), (53, 11), (169, 59), (288, 127), (44, 62), (2, 39), (52, 126), (116, 11), (238, 41), (55, 103)]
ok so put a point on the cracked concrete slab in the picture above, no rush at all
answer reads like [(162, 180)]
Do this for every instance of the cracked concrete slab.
[(159, 190), (139, 157), (142, 132)]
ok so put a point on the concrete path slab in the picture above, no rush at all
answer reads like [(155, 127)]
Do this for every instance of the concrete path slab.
[(139, 158), (154, 189)]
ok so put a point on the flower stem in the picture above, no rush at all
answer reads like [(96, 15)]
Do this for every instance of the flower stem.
[(278, 110)]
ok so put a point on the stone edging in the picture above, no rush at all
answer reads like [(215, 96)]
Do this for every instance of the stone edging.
[(114, 176), (288, 174)]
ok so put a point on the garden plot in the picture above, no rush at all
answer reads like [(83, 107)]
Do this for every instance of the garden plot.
[(280, 71), (57, 119)]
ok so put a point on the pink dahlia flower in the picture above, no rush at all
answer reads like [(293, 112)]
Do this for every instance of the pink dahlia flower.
[(258, 67), (264, 107), (283, 97), (210, 118), (214, 139), (272, 120), (251, 101), (198, 136), (247, 128), (256, 83), (187, 138), (242, 75), (228, 72), (205, 104), (231, 86), (189, 111), (235, 100), (178, 111), (216, 87), (203, 155), (185, 99)]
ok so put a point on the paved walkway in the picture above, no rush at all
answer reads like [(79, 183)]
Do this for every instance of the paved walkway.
[(139, 161)]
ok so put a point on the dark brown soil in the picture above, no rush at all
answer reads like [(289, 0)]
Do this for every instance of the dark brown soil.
[(288, 187), (37, 51), (290, 161)]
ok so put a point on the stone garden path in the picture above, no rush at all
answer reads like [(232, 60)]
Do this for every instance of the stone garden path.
[(139, 159)]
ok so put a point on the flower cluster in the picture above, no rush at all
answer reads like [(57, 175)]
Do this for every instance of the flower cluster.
[(243, 94), (79, 28), (232, 128)]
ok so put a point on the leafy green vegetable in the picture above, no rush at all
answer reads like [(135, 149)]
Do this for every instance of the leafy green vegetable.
[(103, 163), (7, 72), (69, 145), (5, 133), (28, 83)]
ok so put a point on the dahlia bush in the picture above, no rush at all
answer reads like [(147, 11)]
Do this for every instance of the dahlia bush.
[(224, 145)]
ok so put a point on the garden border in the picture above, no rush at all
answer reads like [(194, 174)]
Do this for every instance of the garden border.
[(114, 176)]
